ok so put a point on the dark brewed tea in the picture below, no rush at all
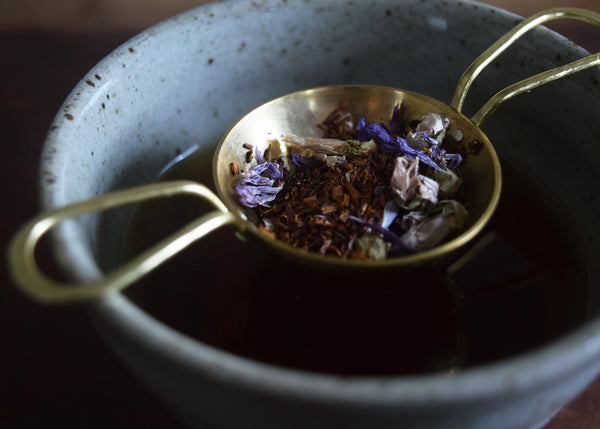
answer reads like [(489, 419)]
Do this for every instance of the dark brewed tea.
[(518, 288)]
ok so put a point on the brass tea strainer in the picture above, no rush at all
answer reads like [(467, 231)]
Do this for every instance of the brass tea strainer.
[(299, 113)]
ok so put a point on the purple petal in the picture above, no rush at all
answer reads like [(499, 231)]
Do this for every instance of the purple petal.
[(256, 180), (398, 121), (405, 149), (387, 234), (303, 161), (433, 142), (453, 160), (253, 196), (390, 213), (372, 131), (256, 187), (388, 143), (269, 169), (259, 156)]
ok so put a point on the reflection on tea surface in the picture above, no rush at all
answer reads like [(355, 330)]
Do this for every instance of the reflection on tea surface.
[(518, 292)]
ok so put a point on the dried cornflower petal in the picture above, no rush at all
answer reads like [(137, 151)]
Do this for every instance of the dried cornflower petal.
[(304, 161), (453, 160), (268, 169), (389, 143), (260, 185), (385, 233), (420, 140), (398, 121), (260, 158), (390, 213)]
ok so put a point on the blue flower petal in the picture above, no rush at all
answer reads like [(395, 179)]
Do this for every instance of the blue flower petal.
[(260, 156), (453, 160), (386, 233), (253, 196), (303, 161), (269, 169), (390, 213), (397, 123), (256, 187), (393, 144)]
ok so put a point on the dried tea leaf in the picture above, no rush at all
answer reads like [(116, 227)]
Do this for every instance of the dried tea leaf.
[(341, 194)]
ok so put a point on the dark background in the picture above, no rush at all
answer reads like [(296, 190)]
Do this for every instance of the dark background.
[(54, 370)]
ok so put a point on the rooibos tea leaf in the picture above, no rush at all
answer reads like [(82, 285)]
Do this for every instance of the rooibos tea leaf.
[(361, 191)]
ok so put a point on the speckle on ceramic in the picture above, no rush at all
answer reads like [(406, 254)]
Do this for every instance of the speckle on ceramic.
[(184, 81)]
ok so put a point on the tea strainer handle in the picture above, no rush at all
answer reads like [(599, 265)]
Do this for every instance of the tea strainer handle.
[(530, 83), (27, 274)]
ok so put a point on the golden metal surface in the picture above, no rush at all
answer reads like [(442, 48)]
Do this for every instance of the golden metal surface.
[(471, 73), (28, 276), (299, 113)]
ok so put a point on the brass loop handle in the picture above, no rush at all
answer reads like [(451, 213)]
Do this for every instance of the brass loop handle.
[(27, 275), (528, 84)]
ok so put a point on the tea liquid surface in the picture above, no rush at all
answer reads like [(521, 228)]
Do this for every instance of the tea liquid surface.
[(520, 291)]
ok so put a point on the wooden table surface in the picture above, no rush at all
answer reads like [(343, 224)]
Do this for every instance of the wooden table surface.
[(54, 370)]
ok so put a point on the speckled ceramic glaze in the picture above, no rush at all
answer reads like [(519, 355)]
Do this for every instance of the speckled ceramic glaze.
[(186, 80)]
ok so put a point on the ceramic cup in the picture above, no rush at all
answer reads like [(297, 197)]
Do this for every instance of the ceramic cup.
[(186, 80)]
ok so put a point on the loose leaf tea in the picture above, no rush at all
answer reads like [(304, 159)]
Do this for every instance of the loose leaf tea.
[(361, 191)]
